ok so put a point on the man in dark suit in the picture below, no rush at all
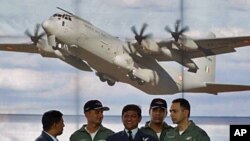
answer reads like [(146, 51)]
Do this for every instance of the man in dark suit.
[(52, 126), (131, 117)]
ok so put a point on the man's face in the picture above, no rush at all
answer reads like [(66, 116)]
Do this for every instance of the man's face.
[(131, 120), (177, 113), (59, 126), (94, 116), (157, 115)]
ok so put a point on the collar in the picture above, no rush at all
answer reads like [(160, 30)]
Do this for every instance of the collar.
[(93, 132), (134, 131), (190, 127), (165, 125), (53, 138), (83, 128)]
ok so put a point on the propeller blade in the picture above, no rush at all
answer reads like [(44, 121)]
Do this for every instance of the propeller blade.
[(130, 50), (184, 30), (144, 26), (134, 30), (168, 29), (36, 29), (177, 24), (35, 38), (28, 33), (147, 36), (41, 35), (177, 33), (140, 37)]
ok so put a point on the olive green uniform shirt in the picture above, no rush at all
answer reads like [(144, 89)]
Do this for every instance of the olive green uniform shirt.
[(83, 135), (148, 130), (192, 133)]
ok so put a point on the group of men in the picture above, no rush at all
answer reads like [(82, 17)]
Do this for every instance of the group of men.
[(154, 130)]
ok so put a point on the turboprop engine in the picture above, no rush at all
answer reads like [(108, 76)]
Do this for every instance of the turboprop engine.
[(150, 46), (146, 75), (124, 61), (187, 44)]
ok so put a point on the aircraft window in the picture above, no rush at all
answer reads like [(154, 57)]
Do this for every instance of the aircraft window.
[(63, 23), (66, 17), (57, 15)]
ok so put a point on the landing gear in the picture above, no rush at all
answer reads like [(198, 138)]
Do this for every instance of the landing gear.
[(55, 48), (105, 78), (101, 77), (131, 76), (134, 78), (110, 82), (140, 82)]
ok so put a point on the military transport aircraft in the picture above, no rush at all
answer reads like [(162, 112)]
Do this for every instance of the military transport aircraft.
[(88, 48)]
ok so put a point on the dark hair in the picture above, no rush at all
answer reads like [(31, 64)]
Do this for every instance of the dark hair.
[(183, 103), (49, 118), (132, 107)]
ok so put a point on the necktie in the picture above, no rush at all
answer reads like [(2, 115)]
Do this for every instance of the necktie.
[(130, 135)]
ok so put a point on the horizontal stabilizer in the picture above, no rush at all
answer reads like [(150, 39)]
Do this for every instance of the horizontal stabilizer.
[(216, 88)]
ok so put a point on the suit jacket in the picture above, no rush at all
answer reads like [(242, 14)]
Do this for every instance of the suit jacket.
[(122, 136), (44, 137)]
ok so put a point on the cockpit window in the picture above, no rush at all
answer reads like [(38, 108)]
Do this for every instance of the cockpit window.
[(67, 17), (57, 15), (64, 16)]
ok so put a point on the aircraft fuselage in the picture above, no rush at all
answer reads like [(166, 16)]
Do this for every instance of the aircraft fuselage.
[(109, 56)]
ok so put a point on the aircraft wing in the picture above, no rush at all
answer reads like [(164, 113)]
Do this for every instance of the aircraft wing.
[(26, 48), (31, 48), (215, 88), (220, 45), (214, 46)]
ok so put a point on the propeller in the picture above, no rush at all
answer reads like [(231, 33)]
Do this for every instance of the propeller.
[(140, 37), (177, 33), (34, 38), (132, 52)]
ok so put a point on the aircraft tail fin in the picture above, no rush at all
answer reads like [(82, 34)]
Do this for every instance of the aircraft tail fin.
[(207, 65), (206, 71)]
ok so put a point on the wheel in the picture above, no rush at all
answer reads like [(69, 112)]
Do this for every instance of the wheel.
[(131, 76), (111, 83), (140, 82), (102, 78)]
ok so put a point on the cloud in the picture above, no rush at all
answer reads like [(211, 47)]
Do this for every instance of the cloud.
[(147, 3), (229, 31), (218, 31), (240, 4), (29, 80)]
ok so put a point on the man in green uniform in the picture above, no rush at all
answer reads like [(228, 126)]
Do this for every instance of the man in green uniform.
[(186, 130), (156, 127), (93, 130)]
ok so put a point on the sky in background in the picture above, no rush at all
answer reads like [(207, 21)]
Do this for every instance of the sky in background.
[(31, 84)]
